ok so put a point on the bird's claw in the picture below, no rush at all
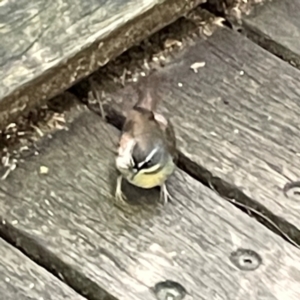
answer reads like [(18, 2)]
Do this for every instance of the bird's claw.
[(164, 194), (119, 195)]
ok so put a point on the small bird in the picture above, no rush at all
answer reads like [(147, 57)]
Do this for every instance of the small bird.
[(147, 148)]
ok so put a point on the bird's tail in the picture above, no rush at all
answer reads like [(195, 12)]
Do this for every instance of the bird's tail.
[(147, 92)]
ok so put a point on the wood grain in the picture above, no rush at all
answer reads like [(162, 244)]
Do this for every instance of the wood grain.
[(22, 279), (275, 25), (237, 118), (47, 46), (127, 250)]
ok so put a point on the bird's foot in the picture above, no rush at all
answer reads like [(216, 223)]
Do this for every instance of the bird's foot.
[(165, 195), (119, 195)]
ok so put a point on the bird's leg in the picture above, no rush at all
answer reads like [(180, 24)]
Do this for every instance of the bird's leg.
[(164, 194), (119, 194)]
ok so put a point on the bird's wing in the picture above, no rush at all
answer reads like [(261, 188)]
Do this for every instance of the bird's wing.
[(169, 133)]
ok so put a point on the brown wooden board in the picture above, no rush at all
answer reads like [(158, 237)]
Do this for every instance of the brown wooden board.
[(22, 279), (47, 46), (276, 26), (237, 118), (73, 227)]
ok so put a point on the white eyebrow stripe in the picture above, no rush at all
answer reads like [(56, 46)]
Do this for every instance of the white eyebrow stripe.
[(150, 155)]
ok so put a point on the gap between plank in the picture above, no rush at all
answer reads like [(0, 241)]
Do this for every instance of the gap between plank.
[(253, 34), (45, 259)]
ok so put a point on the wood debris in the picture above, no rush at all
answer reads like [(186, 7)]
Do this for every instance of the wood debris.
[(169, 43), (197, 65), (44, 170)]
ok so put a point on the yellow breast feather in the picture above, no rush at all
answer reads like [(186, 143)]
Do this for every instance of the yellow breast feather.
[(155, 176)]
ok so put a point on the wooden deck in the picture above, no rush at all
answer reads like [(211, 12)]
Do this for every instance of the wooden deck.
[(21, 278), (46, 47), (230, 233), (283, 40)]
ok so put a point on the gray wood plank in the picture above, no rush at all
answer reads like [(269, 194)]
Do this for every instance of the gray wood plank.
[(275, 25), (237, 118), (22, 279), (128, 250), (47, 46)]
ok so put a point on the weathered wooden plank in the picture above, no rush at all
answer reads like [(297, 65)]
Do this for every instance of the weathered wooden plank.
[(22, 279), (275, 25), (47, 46), (69, 212), (238, 118)]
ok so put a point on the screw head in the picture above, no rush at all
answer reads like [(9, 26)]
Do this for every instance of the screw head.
[(169, 290), (245, 259)]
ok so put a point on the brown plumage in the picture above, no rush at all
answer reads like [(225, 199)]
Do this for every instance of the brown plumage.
[(147, 149)]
